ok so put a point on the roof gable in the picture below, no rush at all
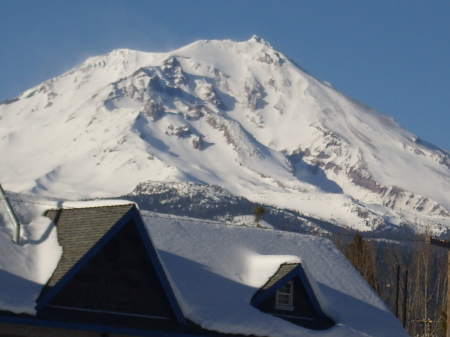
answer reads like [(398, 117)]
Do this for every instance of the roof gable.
[(282, 272), (80, 229), (296, 274), (85, 232)]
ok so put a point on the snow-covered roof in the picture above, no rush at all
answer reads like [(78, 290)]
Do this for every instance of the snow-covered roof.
[(215, 270)]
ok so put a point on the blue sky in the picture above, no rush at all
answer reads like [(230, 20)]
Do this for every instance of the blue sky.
[(393, 56)]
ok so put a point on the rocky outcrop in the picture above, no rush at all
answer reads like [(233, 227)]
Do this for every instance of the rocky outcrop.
[(197, 143), (254, 94), (153, 110)]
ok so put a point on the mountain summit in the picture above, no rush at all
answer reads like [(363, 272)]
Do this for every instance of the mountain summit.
[(239, 115)]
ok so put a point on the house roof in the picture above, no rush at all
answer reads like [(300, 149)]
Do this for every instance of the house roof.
[(79, 229), (215, 270)]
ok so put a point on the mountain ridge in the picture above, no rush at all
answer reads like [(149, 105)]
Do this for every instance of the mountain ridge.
[(239, 115)]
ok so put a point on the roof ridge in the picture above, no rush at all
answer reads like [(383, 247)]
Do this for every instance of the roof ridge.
[(88, 207)]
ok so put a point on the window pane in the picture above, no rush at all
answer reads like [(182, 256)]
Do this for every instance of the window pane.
[(284, 295), (283, 299), (286, 289)]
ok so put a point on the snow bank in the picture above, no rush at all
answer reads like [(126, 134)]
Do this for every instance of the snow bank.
[(25, 268)]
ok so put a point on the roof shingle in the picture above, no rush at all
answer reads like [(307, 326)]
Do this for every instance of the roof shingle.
[(79, 230)]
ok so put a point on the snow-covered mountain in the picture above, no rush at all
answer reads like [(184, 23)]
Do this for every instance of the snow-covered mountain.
[(239, 115)]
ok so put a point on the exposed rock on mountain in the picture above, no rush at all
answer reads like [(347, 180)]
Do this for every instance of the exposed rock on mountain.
[(239, 115)]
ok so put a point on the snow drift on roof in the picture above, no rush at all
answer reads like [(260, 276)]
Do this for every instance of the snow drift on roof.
[(216, 269)]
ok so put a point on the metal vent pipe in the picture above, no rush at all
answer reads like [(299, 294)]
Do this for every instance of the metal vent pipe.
[(12, 215)]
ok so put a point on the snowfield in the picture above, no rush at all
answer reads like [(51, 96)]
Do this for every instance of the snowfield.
[(239, 115)]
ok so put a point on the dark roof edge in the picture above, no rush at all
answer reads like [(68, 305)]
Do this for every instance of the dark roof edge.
[(157, 264), (33, 321), (64, 208)]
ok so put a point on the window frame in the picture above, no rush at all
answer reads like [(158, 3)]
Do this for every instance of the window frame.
[(282, 295)]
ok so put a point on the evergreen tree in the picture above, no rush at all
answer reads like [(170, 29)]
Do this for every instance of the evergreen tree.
[(258, 211), (362, 256)]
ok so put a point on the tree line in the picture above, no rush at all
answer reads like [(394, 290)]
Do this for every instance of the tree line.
[(409, 276)]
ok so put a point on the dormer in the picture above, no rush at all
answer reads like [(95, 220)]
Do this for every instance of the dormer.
[(289, 295)]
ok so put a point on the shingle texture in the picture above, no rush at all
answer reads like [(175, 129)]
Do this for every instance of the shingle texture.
[(284, 269), (79, 229)]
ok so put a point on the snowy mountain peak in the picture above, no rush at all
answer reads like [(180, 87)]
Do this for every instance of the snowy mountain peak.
[(256, 38), (238, 115)]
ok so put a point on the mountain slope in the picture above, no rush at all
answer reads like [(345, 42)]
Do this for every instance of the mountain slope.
[(238, 115)]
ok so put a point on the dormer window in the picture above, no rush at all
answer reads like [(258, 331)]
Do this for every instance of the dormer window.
[(290, 295), (284, 297)]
